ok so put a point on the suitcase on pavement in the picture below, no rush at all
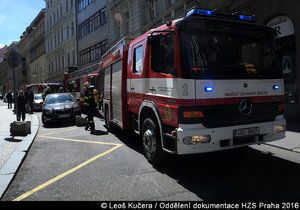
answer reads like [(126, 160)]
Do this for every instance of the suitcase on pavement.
[(18, 128), (80, 121)]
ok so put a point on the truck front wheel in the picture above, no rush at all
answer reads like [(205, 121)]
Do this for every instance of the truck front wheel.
[(151, 142)]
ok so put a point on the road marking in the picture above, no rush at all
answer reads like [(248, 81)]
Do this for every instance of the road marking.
[(82, 141), (57, 178), (60, 131)]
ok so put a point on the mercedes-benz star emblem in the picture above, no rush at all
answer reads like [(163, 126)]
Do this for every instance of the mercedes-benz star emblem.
[(245, 107)]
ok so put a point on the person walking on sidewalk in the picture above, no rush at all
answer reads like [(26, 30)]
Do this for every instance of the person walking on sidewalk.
[(21, 106), (30, 100), (9, 98)]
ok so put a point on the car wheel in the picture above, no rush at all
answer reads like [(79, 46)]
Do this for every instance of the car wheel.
[(46, 124)]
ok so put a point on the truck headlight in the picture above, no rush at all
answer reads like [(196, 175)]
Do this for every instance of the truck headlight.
[(279, 128), (190, 140)]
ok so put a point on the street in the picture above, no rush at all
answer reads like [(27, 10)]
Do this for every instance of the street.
[(67, 163)]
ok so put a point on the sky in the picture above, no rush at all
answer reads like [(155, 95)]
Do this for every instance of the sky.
[(15, 17)]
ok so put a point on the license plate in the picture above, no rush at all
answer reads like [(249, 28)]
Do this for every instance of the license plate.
[(63, 115), (246, 132)]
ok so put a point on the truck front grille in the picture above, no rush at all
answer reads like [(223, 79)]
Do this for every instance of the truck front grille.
[(229, 115)]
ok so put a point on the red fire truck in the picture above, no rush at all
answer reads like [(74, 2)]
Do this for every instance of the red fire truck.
[(206, 82)]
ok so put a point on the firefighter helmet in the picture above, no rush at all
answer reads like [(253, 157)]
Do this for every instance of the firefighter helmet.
[(86, 84), (95, 92)]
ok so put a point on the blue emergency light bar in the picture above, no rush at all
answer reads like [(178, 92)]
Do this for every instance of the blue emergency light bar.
[(276, 87), (247, 18), (200, 12), (217, 14), (208, 89)]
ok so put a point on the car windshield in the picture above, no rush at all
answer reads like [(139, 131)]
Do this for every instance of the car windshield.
[(222, 51), (58, 99), (38, 97)]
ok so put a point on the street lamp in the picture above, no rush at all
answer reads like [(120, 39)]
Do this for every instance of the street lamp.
[(14, 60)]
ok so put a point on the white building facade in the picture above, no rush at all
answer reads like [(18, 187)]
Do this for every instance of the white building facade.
[(60, 41)]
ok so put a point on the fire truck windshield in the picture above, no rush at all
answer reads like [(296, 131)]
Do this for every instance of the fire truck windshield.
[(228, 51)]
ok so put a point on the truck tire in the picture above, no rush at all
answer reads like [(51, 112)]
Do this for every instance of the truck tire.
[(151, 142)]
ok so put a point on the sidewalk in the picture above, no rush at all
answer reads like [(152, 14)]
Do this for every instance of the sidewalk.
[(292, 140), (13, 150)]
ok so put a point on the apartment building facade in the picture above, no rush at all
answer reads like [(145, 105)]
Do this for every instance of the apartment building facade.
[(92, 37), (60, 38), (37, 57), (3, 72), (13, 69)]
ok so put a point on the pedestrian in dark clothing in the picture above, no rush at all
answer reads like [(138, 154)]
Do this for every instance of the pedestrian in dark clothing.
[(21, 106), (9, 98), (46, 91), (30, 100), (26, 94), (89, 105)]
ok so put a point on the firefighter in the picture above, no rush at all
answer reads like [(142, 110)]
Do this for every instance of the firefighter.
[(89, 105), (96, 96)]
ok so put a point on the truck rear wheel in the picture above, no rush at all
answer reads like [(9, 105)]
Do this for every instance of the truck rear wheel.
[(151, 142)]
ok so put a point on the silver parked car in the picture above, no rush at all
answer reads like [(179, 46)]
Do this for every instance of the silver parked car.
[(37, 102), (60, 107)]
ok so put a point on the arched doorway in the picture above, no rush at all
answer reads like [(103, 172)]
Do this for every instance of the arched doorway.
[(286, 47)]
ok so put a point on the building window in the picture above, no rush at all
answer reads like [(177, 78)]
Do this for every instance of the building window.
[(49, 68), (126, 23), (72, 29), (93, 53), (68, 32), (62, 35), (52, 67), (73, 57), (169, 4), (69, 59), (94, 22), (83, 4), (63, 61), (60, 10), (67, 6)]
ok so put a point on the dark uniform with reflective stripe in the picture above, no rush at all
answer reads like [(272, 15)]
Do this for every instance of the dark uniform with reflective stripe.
[(89, 104)]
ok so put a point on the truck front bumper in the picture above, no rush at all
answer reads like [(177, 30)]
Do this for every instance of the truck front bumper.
[(215, 139)]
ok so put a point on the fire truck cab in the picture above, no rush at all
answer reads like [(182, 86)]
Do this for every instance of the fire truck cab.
[(206, 82)]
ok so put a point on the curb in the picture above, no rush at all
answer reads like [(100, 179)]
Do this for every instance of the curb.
[(296, 149), (9, 169)]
